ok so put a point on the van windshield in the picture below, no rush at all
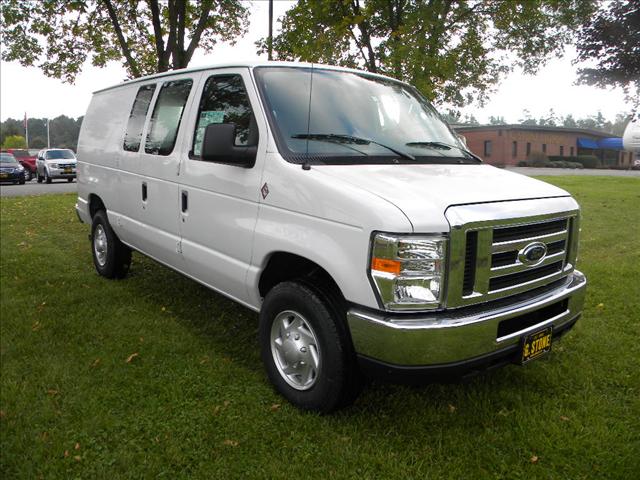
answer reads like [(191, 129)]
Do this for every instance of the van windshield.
[(323, 116)]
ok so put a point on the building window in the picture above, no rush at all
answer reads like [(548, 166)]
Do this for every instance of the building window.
[(528, 149), (487, 148), (562, 150), (544, 148), (514, 149), (571, 151)]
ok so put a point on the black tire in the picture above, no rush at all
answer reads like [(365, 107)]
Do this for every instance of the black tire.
[(69, 180), (47, 178), (337, 382), (117, 256), (39, 178), (21, 182)]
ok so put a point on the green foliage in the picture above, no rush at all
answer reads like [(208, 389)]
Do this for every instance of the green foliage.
[(63, 131), (195, 402), (454, 52), (612, 40), (14, 141), (151, 36), (588, 161)]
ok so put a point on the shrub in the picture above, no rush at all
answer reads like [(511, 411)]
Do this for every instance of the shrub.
[(589, 161), (14, 141), (523, 163), (537, 159)]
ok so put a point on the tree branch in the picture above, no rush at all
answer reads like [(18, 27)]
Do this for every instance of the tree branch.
[(157, 33), (126, 51), (197, 33)]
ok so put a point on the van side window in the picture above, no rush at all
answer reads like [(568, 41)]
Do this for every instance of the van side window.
[(133, 134), (225, 100), (165, 120)]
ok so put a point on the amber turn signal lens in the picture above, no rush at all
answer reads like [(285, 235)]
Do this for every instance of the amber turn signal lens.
[(386, 265)]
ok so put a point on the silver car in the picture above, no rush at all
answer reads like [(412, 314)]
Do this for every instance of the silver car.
[(53, 163)]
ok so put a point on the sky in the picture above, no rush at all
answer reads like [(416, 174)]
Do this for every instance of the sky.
[(26, 89)]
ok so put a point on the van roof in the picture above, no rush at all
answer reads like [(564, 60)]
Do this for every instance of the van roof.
[(246, 64)]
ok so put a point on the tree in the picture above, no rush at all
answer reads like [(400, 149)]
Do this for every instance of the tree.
[(527, 119), (453, 51), (611, 39), (14, 141), (569, 122), (497, 120), (148, 36)]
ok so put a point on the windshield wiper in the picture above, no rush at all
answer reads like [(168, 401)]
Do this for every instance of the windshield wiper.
[(443, 146), (340, 138)]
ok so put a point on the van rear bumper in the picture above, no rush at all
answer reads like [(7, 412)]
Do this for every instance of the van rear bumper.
[(455, 337)]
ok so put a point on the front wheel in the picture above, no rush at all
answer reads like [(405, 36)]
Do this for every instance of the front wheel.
[(111, 257), (47, 178), (306, 348), (69, 180)]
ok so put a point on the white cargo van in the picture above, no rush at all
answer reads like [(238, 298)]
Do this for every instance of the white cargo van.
[(341, 207)]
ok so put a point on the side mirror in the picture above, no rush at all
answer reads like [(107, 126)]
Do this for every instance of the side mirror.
[(219, 146)]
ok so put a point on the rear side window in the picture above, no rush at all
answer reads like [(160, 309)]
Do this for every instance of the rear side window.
[(166, 117), (133, 135), (224, 100)]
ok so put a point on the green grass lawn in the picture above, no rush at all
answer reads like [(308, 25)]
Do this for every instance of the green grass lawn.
[(156, 376)]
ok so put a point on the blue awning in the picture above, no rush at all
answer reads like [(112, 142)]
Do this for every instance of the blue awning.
[(587, 143), (614, 143)]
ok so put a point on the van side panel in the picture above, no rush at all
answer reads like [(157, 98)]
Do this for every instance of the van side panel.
[(99, 150)]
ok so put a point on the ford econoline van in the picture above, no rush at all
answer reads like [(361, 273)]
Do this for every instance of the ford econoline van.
[(338, 205)]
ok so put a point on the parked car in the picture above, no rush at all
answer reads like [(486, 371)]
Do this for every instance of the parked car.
[(26, 159), (54, 163), (10, 169), (349, 215)]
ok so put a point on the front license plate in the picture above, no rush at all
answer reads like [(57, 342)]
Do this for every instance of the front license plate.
[(4, 175), (535, 345), (67, 170)]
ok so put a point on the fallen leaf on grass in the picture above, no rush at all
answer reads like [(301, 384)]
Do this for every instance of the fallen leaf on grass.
[(216, 409), (66, 453), (204, 360), (226, 403), (52, 392), (231, 443), (95, 363), (452, 408), (77, 458), (77, 446), (534, 459), (563, 418), (2, 414), (132, 356), (274, 407), (600, 305), (36, 326)]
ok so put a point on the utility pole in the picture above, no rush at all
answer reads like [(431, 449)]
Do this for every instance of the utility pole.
[(48, 138), (270, 40)]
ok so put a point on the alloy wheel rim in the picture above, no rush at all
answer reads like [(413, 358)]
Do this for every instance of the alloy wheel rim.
[(295, 350), (100, 245)]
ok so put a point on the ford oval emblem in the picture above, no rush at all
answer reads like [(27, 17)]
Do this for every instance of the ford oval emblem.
[(533, 253)]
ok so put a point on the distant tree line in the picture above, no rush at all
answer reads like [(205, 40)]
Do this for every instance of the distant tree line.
[(593, 122), (63, 131)]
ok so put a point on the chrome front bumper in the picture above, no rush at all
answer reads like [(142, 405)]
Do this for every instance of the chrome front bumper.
[(453, 336)]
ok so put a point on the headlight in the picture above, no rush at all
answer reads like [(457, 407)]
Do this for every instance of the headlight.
[(20, 168), (53, 165), (408, 271)]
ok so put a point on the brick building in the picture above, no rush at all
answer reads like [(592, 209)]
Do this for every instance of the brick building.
[(510, 144)]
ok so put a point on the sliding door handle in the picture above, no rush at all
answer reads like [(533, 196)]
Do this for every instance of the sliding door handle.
[(185, 201), (144, 191)]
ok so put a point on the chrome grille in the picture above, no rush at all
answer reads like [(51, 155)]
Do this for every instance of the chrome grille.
[(485, 264)]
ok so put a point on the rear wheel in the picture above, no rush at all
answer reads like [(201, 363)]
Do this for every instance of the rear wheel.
[(111, 257), (47, 178), (306, 348), (39, 177)]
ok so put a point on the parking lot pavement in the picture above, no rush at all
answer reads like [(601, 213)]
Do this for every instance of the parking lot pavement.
[(574, 171), (35, 188)]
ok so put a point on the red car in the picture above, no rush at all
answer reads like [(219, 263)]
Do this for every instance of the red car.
[(25, 159)]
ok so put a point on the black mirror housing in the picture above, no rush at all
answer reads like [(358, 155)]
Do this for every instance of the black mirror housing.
[(218, 145)]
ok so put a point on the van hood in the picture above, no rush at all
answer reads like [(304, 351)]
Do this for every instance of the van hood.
[(423, 192)]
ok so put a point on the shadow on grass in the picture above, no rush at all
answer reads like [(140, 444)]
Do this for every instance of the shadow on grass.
[(232, 331)]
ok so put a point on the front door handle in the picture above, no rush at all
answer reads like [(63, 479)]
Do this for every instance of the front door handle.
[(144, 191), (185, 201)]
